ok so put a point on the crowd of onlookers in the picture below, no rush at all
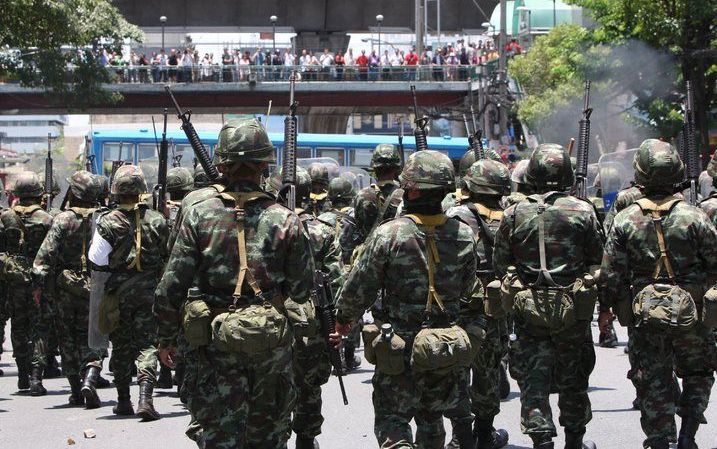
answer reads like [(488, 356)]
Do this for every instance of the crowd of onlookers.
[(452, 62)]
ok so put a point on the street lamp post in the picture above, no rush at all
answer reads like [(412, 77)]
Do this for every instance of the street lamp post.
[(555, 21), (379, 20), (273, 20), (523, 9), (163, 20)]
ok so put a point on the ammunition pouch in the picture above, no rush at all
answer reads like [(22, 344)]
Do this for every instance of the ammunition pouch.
[(390, 354), (585, 295), (665, 307), (510, 286), (17, 270), (250, 330), (441, 350), (369, 333), (109, 313), (74, 282), (709, 308), (493, 300), (302, 318), (196, 322), (545, 311)]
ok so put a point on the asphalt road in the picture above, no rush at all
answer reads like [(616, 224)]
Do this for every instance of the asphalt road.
[(47, 422)]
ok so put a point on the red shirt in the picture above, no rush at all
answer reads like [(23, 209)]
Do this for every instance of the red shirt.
[(411, 59), (362, 61)]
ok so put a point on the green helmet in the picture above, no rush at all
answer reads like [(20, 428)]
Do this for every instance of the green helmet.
[(243, 141), (549, 168), (129, 180), (303, 182), (55, 185), (657, 163), (488, 177), (84, 186), (27, 185), (426, 170), (341, 189), (385, 155), (468, 158), (104, 183), (319, 173), (179, 179), (201, 179)]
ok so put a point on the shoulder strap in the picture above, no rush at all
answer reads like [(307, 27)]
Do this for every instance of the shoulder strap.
[(481, 213), (85, 213), (544, 274), (429, 223), (656, 211), (137, 262)]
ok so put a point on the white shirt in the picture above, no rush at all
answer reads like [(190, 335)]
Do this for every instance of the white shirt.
[(100, 250)]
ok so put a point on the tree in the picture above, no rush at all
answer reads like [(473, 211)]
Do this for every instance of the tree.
[(42, 38)]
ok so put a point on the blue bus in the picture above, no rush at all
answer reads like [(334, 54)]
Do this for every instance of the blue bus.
[(139, 147)]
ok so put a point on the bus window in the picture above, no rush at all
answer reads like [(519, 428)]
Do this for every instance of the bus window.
[(146, 151), (185, 150), (111, 152), (303, 152), (361, 157), (333, 153)]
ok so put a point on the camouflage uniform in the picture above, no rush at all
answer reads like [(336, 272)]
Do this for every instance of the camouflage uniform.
[(137, 237), (24, 227), (63, 259), (519, 186), (573, 242), (631, 255), (487, 181), (396, 261), (239, 400), (318, 200)]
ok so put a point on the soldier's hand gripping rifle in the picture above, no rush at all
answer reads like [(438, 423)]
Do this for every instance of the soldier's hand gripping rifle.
[(401, 150), (159, 196), (581, 169), (692, 155), (419, 132), (327, 318), (200, 150), (288, 157), (48, 173)]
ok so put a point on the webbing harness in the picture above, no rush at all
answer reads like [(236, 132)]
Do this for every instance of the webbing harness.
[(85, 213), (429, 223), (136, 264)]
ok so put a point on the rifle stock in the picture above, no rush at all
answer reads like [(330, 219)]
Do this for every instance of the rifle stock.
[(327, 319)]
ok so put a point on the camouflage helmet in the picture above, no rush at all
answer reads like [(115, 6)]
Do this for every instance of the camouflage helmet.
[(549, 168), (243, 141), (27, 185), (319, 173), (468, 158), (84, 186), (385, 155), (55, 185), (488, 177), (341, 189), (104, 183), (657, 163), (303, 182), (426, 170), (179, 179), (201, 179), (128, 180)]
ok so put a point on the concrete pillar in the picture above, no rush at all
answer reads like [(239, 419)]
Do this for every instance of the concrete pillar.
[(324, 120)]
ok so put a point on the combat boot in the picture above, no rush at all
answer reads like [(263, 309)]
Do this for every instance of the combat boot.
[(544, 445), (75, 387), (23, 374), (608, 339), (352, 361), (52, 369), (575, 441), (36, 387), (102, 382), (164, 381), (306, 443), (461, 435), (487, 437), (145, 406), (124, 405), (89, 388), (688, 430), (660, 444), (504, 383)]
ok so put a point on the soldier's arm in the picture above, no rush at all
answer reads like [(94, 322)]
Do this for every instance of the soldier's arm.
[(614, 270), (502, 257), (176, 280), (48, 255), (363, 282), (468, 272), (298, 262), (706, 242), (594, 240)]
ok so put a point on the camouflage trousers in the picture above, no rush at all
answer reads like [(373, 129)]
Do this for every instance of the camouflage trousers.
[(312, 369), (4, 315), (656, 354), (564, 359), (73, 323), (423, 397), (28, 335), (241, 401), (135, 339)]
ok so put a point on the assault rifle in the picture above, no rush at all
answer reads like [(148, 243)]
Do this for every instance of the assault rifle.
[(48, 173), (401, 150), (692, 156), (327, 319), (475, 140), (89, 157), (159, 196), (288, 159), (200, 150), (419, 132), (581, 169)]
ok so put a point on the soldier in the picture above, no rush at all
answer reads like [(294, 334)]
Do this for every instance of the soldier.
[(486, 183), (253, 255), (375, 203), (425, 263), (550, 241), (24, 227), (341, 193), (201, 179), (709, 204), (318, 201), (63, 257), (520, 189), (131, 242), (660, 243)]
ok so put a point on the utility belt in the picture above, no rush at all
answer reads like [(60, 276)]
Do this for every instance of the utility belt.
[(16, 269), (75, 281)]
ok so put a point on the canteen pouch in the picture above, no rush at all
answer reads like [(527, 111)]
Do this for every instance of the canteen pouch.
[(109, 313), (15, 271), (666, 307), (302, 318), (196, 322), (250, 330), (493, 301), (585, 295), (709, 308), (389, 354), (369, 332), (476, 333), (623, 310), (509, 288), (441, 349), (544, 311), (74, 282)]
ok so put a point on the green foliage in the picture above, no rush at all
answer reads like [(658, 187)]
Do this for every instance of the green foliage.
[(44, 36)]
